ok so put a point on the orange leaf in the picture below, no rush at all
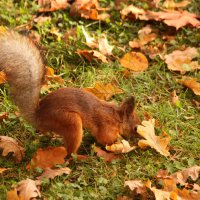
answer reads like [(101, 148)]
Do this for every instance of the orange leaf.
[(191, 83), (48, 157), (52, 77), (182, 60), (3, 170), (92, 55), (134, 61), (52, 5), (2, 77), (108, 157), (104, 92)]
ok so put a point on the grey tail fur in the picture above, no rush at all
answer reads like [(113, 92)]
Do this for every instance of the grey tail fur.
[(20, 60)]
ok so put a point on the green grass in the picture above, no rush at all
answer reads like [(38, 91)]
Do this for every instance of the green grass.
[(93, 178)]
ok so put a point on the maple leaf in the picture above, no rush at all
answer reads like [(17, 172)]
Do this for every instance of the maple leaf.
[(159, 143), (108, 157), (92, 54), (27, 189), (52, 5), (90, 41), (190, 83), (134, 61), (48, 157), (182, 60), (104, 92), (10, 145), (52, 173), (122, 147)]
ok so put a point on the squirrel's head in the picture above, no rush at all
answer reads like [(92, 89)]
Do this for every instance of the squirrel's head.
[(129, 118)]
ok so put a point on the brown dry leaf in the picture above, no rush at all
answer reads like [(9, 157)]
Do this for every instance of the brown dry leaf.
[(12, 195), (182, 60), (50, 76), (10, 145), (88, 9), (174, 98), (191, 83), (176, 19), (104, 47), (3, 116), (145, 35), (52, 173), (3, 170), (92, 55), (171, 4), (27, 189), (2, 77), (48, 157), (108, 157), (52, 5), (104, 92), (159, 143), (136, 185), (134, 61), (42, 19), (122, 147)]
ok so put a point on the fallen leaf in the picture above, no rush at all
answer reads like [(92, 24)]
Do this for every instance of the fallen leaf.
[(52, 173), (3, 116), (10, 145), (2, 77), (88, 9), (3, 170), (104, 47), (48, 157), (171, 4), (52, 5), (90, 41), (104, 92), (136, 185), (134, 61), (182, 60), (27, 189), (122, 147), (159, 143), (42, 19), (120, 3), (190, 83), (176, 19), (92, 55), (12, 195), (108, 157), (145, 35)]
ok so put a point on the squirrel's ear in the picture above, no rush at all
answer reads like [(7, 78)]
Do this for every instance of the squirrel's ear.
[(128, 105)]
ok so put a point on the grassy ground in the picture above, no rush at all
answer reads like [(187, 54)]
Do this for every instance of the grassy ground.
[(93, 178)]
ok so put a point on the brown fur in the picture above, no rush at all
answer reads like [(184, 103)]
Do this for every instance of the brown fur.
[(66, 111)]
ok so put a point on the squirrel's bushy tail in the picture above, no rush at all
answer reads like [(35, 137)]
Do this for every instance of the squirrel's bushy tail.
[(20, 60)]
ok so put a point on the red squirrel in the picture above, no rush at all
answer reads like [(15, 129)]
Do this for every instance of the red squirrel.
[(65, 111)]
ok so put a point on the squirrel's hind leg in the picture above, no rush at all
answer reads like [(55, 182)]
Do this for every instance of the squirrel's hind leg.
[(72, 132)]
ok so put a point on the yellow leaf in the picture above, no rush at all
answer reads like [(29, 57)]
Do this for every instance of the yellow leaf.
[(104, 92), (134, 61), (12, 195), (122, 147), (2, 77), (191, 83), (159, 143)]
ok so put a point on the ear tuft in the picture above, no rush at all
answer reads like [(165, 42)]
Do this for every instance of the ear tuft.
[(128, 105)]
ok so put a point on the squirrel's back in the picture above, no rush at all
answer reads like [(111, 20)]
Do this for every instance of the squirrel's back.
[(21, 61)]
